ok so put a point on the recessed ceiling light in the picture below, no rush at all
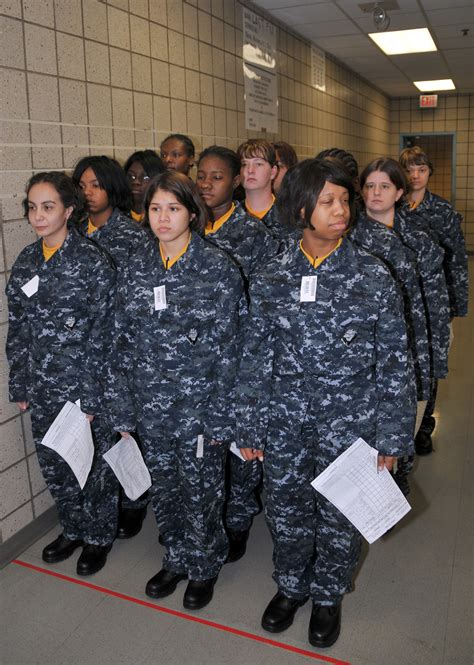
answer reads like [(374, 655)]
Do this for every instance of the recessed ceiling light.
[(432, 86), (397, 42)]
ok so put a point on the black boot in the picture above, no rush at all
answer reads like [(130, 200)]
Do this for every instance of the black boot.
[(198, 593), (280, 612), (92, 559), (130, 522), (60, 549), (325, 625), (163, 583), (423, 443), (237, 544)]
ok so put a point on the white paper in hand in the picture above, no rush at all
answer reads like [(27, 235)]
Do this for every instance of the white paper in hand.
[(71, 437), (369, 499), (126, 461)]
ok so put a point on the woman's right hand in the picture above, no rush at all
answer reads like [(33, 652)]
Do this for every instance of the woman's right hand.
[(23, 406), (249, 454), (125, 435)]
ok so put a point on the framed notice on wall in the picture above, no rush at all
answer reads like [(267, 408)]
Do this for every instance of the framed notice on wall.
[(260, 81), (318, 68)]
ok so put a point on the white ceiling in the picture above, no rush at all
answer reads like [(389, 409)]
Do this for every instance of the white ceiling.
[(340, 28)]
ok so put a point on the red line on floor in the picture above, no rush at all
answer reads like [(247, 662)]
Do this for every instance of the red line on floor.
[(182, 615)]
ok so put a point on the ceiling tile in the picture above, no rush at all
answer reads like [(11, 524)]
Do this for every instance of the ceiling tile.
[(313, 13)]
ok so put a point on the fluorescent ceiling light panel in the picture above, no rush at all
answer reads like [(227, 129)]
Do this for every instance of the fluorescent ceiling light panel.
[(398, 42), (433, 86)]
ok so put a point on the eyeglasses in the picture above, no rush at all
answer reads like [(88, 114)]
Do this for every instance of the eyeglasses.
[(138, 178)]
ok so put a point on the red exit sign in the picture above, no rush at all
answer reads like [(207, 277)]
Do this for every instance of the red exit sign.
[(428, 101)]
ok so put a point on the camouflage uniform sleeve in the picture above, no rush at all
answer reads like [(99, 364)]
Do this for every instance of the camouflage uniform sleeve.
[(254, 377), (102, 280), (435, 293), (417, 327), (18, 342), (396, 407), (456, 267), (118, 394), (220, 421)]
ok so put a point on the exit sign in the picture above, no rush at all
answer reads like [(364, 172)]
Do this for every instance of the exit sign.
[(428, 101)]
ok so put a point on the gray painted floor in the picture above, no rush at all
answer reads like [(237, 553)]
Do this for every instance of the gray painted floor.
[(412, 603)]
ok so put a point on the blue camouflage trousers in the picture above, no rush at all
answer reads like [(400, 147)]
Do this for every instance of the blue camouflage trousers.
[(89, 514), (316, 549), (243, 480), (187, 498)]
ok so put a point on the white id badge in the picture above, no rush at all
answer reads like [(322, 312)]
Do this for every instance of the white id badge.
[(31, 287), (160, 297), (308, 288), (200, 446)]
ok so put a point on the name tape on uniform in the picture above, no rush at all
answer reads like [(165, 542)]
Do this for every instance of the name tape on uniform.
[(31, 287), (160, 297), (308, 288)]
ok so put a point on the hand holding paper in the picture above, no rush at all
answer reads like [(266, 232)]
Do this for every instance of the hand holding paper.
[(367, 496)]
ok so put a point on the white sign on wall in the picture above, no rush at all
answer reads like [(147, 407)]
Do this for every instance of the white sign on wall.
[(260, 81), (261, 100), (318, 68)]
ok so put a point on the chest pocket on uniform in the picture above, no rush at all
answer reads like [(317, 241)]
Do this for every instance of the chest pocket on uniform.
[(285, 318)]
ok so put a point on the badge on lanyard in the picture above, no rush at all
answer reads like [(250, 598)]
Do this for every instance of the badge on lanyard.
[(160, 297), (308, 288), (31, 287)]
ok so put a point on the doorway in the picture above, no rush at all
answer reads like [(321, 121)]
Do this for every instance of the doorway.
[(440, 148)]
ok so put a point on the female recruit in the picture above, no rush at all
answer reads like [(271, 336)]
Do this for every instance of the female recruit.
[(173, 383), (438, 217), (384, 243), (177, 152), (251, 246), (324, 362), (108, 201), (140, 168), (60, 297), (286, 158), (383, 187)]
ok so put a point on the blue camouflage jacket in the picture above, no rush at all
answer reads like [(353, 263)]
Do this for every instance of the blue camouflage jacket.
[(181, 359), (350, 343), (245, 239), (119, 236), (59, 336), (385, 244), (429, 259), (445, 223)]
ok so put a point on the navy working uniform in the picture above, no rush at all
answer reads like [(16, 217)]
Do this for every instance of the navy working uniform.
[(385, 244), (314, 377), (251, 245), (57, 341), (271, 220), (436, 216), (174, 385), (429, 258), (119, 236), (445, 223)]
